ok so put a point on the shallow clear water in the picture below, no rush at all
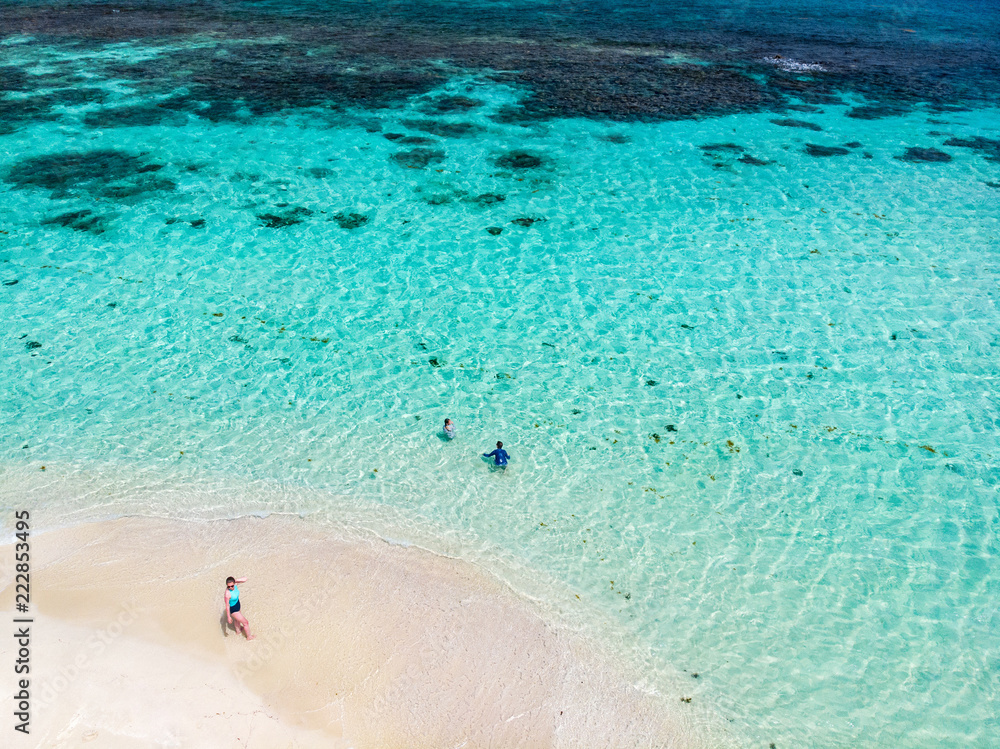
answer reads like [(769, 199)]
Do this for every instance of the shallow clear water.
[(750, 403)]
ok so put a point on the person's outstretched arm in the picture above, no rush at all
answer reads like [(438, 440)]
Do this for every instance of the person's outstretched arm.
[(240, 580)]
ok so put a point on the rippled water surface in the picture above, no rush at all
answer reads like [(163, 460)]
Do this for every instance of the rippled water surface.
[(726, 289)]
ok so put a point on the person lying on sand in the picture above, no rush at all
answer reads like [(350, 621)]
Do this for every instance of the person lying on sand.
[(232, 598)]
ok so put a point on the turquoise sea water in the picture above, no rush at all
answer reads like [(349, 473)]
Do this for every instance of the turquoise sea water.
[(748, 383)]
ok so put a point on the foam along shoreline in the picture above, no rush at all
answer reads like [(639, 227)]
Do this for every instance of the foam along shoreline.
[(359, 643)]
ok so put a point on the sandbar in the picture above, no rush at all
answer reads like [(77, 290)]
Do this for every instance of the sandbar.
[(360, 643)]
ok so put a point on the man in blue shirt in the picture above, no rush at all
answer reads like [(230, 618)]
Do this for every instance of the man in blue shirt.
[(500, 456)]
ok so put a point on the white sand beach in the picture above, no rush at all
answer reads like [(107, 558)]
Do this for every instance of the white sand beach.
[(359, 643)]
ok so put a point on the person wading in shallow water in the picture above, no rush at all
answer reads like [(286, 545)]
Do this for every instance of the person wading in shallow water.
[(500, 457), (233, 606)]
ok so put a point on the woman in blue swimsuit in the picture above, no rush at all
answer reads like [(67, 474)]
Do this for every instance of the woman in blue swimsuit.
[(232, 598)]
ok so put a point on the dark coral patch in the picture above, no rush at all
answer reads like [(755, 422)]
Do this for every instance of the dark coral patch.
[(995, 185), (438, 198), (443, 129), (320, 172), (97, 172), (84, 220), (31, 345), (978, 143), (74, 97), (171, 220), (417, 140), (496, 231), (393, 136), (138, 187), (822, 151), (214, 110), (449, 105), (16, 113), (721, 148), (527, 221), (518, 160), (876, 112), (11, 282), (487, 199), (721, 153), (988, 147), (350, 220), (943, 107), (139, 115), (286, 218), (610, 82), (418, 158), (853, 144), (13, 78), (268, 78), (812, 91), (275, 221), (797, 123), (616, 138), (924, 155), (221, 111)]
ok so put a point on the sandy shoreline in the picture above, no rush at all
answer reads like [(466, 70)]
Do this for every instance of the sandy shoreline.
[(359, 643)]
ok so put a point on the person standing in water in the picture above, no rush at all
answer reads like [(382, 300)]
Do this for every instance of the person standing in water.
[(500, 456), (449, 429), (232, 598)]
